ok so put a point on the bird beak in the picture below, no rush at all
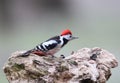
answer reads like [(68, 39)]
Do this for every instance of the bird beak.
[(74, 38)]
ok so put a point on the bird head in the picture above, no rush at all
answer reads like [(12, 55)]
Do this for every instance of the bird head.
[(67, 34)]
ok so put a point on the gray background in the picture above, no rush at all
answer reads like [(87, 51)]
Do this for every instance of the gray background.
[(26, 23)]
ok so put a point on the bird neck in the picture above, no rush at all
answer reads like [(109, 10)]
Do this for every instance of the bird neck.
[(63, 41)]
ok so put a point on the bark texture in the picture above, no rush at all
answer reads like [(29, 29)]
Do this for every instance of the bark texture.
[(87, 65)]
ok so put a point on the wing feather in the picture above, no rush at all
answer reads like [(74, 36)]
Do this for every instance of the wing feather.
[(50, 43)]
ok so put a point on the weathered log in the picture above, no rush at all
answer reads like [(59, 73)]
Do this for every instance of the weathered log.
[(87, 65)]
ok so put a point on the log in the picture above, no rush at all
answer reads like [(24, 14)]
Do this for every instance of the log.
[(87, 65)]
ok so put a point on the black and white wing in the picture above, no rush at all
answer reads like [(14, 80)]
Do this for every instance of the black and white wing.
[(49, 44)]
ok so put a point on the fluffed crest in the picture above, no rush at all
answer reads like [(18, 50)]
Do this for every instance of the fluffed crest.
[(65, 32)]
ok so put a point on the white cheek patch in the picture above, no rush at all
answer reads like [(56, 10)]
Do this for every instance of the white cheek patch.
[(67, 36)]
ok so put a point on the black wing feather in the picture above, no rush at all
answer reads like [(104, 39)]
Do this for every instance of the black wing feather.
[(53, 45), (50, 46), (56, 38)]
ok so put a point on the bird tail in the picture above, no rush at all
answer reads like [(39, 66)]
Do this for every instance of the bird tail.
[(33, 51)]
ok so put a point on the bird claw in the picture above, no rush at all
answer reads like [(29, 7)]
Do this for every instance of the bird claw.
[(93, 57), (62, 56)]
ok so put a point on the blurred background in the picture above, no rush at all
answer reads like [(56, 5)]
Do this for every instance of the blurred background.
[(26, 23)]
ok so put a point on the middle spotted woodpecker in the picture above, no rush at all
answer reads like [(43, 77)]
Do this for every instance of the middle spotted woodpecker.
[(52, 45)]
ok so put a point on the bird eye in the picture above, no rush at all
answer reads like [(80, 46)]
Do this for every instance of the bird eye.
[(70, 35)]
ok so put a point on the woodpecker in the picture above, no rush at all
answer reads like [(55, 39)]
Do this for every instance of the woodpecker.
[(52, 45)]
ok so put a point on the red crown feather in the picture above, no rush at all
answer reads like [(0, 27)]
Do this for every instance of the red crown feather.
[(65, 32)]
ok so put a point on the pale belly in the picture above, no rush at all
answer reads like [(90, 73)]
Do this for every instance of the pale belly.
[(53, 51)]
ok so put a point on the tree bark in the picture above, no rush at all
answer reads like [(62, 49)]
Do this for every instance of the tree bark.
[(87, 65)]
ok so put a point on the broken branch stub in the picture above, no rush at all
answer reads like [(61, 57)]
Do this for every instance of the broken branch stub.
[(87, 65)]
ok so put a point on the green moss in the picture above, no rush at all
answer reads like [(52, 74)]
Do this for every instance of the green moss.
[(18, 67), (71, 62), (62, 68), (37, 74), (49, 59)]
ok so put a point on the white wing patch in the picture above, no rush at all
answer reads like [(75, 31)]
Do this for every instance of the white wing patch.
[(47, 43)]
